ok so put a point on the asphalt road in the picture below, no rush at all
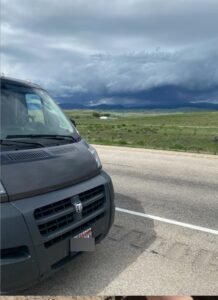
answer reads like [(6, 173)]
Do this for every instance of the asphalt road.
[(149, 255), (173, 185)]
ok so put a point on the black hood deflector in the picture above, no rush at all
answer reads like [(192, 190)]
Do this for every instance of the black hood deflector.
[(30, 173)]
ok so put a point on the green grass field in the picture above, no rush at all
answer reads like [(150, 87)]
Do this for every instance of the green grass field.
[(191, 131)]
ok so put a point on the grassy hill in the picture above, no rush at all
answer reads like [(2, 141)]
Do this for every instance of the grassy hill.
[(191, 131)]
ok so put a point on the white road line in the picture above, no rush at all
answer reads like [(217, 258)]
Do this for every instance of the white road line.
[(186, 225)]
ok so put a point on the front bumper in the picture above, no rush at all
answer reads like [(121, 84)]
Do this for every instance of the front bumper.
[(36, 232)]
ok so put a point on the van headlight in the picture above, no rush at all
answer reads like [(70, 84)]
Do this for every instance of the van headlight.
[(95, 155), (3, 194)]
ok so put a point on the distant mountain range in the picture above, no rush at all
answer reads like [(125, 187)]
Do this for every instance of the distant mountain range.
[(168, 97), (179, 106)]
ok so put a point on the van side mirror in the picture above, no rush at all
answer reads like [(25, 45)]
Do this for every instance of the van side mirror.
[(73, 122)]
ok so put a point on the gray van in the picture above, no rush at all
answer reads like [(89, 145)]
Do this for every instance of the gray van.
[(53, 189)]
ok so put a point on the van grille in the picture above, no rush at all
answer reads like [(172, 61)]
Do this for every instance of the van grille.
[(56, 224), (73, 232), (92, 207), (61, 214), (51, 209)]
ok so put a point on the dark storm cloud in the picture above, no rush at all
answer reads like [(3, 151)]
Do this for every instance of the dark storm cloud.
[(106, 51)]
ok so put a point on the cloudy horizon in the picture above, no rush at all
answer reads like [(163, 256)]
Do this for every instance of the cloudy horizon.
[(114, 52)]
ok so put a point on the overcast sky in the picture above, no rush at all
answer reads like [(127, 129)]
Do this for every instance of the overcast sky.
[(110, 51)]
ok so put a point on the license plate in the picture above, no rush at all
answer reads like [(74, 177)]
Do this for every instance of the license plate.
[(83, 241), (84, 235)]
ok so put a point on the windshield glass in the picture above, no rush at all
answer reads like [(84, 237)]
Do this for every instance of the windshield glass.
[(30, 111)]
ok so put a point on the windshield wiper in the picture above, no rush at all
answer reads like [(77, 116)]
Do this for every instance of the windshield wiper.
[(10, 142), (46, 136)]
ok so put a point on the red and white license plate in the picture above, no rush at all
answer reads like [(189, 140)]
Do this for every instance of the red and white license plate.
[(85, 234), (83, 242)]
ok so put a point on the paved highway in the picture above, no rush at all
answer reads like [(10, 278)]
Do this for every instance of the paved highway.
[(165, 236), (173, 185)]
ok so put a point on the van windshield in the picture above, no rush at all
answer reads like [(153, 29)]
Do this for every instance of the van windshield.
[(31, 112)]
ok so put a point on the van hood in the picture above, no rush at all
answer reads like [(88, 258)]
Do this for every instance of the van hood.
[(26, 173)]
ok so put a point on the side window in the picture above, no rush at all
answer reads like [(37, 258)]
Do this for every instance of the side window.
[(35, 108)]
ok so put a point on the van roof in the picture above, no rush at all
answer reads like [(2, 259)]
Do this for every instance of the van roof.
[(18, 82)]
